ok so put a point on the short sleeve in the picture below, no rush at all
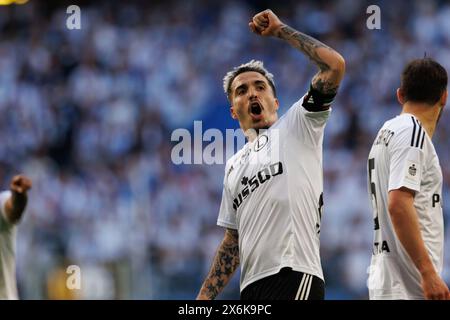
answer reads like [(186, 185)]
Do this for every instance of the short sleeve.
[(4, 196), (407, 158), (406, 168), (227, 214)]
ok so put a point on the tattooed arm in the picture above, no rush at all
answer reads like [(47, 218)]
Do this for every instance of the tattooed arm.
[(224, 265), (331, 64)]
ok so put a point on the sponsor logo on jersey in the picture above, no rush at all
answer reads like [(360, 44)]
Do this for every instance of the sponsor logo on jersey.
[(436, 198), (379, 248), (261, 142), (253, 183)]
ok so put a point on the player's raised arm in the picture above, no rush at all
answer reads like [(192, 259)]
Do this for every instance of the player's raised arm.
[(331, 64), (225, 263), (15, 205)]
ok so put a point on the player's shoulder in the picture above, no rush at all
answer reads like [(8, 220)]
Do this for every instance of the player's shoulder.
[(406, 130)]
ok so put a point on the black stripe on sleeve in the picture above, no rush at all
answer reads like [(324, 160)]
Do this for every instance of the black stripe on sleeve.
[(414, 132), (423, 139), (419, 134)]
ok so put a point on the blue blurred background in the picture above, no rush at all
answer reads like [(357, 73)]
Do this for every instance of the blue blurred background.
[(88, 115)]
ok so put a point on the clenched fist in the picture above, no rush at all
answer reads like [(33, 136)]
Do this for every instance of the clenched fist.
[(20, 184), (265, 23)]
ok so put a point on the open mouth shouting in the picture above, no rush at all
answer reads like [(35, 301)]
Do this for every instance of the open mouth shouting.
[(255, 110)]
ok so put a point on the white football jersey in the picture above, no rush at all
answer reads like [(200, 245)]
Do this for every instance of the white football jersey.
[(403, 155), (272, 194), (8, 287)]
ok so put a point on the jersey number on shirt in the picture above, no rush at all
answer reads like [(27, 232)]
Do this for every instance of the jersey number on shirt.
[(373, 192)]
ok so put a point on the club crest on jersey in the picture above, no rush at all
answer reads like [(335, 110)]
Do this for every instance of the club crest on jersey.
[(261, 142), (250, 185), (412, 170)]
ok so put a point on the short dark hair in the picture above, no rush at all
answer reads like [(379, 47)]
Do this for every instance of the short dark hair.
[(253, 65), (423, 80)]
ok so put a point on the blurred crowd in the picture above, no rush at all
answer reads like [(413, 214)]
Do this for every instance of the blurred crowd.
[(88, 115)]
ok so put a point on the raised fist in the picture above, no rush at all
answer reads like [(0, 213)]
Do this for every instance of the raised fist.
[(20, 184), (265, 23)]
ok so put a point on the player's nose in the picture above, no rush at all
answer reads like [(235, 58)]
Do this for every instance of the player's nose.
[(252, 93)]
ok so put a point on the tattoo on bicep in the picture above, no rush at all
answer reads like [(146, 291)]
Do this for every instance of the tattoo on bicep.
[(225, 263)]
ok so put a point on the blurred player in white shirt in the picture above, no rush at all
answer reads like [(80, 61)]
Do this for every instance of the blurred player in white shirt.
[(405, 187), (12, 205)]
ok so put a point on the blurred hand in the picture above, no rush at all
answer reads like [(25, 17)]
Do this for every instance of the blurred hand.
[(434, 288), (265, 23), (20, 184)]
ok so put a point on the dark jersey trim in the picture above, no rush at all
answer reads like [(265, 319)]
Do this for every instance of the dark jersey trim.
[(423, 139), (316, 101), (414, 132), (418, 136), (417, 140)]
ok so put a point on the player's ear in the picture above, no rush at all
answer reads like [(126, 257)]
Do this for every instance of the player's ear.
[(277, 104), (400, 96), (233, 113)]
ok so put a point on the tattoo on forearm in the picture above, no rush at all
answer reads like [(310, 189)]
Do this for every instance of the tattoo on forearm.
[(308, 45), (225, 263)]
